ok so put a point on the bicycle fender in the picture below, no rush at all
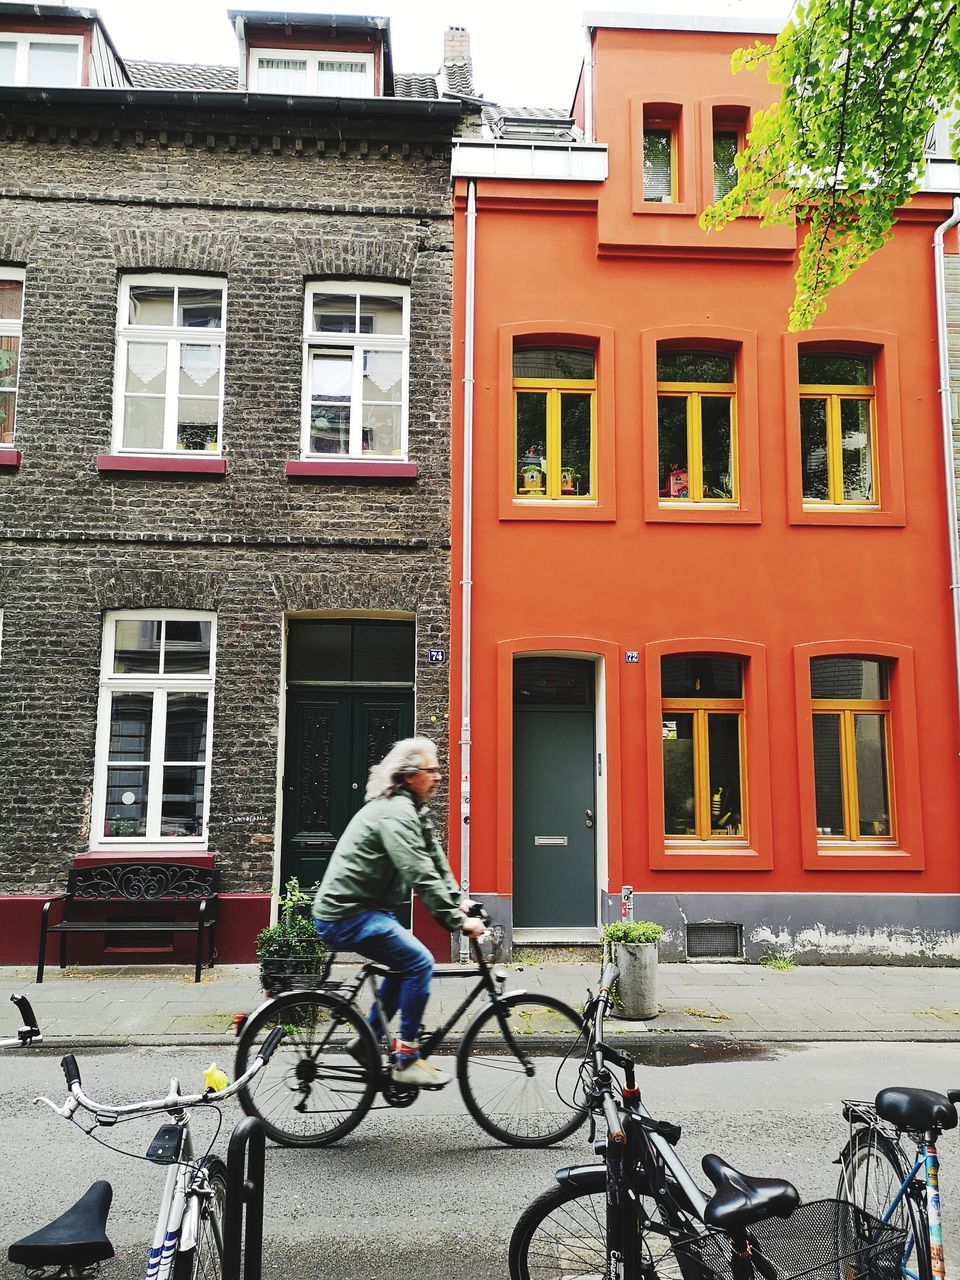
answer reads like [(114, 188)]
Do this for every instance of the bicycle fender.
[(593, 1177), (189, 1224)]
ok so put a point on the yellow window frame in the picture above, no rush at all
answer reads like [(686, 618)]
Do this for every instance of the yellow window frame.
[(849, 786), (555, 390), (665, 126), (833, 395), (702, 709), (693, 393)]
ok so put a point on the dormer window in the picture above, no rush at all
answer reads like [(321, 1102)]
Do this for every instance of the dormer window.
[(48, 62), (333, 73)]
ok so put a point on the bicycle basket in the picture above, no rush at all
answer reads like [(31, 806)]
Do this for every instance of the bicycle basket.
[(294, 973), (823, 1240)]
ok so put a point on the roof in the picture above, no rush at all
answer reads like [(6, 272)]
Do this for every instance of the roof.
[(500, 121), (180, 75), (415, 86), (62, 11), (273, 18)]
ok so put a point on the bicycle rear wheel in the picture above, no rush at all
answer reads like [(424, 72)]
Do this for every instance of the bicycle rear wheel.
[(872, 1170), (562, 1235), (323, 1075), (519, 1099), (204, 1260)]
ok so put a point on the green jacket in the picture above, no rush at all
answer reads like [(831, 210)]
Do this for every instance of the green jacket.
[(388, 849)]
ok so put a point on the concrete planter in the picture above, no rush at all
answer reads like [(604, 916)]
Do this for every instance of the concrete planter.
[(637, 985)]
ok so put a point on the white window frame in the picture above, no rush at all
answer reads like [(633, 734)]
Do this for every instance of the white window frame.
[(358, 343), (313, 58), (160, 686), (14, 329), (174, 336), (24, 39)]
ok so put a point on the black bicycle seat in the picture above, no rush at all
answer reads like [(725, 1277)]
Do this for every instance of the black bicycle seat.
[(917, 1110), (77, 1238), (740, 1201)]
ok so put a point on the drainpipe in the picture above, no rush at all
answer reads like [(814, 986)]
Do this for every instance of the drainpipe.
[(949, 455), (588, 87), (241, 34), (466, 561)]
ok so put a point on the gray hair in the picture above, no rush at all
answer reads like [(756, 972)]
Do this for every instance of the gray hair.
[(403, 758)]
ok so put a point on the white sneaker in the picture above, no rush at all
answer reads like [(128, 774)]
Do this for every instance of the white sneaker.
[(421, 1073)]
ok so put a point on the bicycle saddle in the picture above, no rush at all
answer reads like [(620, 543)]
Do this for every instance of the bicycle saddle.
[(916, 1109), (739, 1201), (77, 1238)]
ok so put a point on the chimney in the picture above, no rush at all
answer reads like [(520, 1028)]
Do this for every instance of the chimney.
[(456, 44)]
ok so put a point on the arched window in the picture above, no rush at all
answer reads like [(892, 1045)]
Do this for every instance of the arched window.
[(838, 429), (696, 426), (554, 390)]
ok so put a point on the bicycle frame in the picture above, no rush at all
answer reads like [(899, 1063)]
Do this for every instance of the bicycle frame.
[(490, 980), (177, 1217)]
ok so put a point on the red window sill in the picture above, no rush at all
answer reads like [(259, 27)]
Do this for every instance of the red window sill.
[(355, 468), (106, 857), (10, 458), (168, 465)]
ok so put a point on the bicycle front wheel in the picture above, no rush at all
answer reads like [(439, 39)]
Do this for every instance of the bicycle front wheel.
[(562, 1235), (520, 1099), (873, 1168), (323, 1075), (204, 1260)]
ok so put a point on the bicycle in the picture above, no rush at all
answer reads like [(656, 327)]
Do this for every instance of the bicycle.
[(330, 1068), (878, 1175), (29, 1031), (188, 1240), (640, 1215)]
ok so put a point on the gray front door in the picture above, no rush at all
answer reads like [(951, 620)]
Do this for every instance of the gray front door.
[(554, 794)]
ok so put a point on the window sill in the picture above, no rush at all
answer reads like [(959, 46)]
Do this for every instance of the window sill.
[(168, 464), (707, 855), (702, 513), (860, 856), (836, 515), (185, 853), (556, 509), (351, 468), (9, 458)]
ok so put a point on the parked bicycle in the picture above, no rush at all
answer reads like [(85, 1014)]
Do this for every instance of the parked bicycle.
[(641, 1215), (188, 1240), (29, 1030), (902, 1190), (330, 1068)]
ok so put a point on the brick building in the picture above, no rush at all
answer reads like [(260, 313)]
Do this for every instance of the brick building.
[(225, 305)]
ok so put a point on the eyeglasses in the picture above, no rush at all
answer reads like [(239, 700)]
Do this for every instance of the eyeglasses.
[(436, 772)]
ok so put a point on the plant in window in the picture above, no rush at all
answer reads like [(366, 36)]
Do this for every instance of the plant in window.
[(696, 419), (554, 396)]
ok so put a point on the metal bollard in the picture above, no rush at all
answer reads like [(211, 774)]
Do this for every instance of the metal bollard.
[(626, 902), (243, 1211)]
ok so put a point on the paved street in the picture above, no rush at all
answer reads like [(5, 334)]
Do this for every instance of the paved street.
[(423, 1192)]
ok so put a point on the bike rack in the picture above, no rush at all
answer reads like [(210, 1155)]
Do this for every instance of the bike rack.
[(243, 1211)]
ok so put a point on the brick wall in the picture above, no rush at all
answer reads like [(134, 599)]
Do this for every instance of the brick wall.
[(267, 209)]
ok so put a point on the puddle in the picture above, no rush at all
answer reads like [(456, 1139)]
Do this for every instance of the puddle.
[(672, 1052)]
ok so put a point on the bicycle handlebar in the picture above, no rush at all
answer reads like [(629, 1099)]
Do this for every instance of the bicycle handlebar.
[(174, 1101)]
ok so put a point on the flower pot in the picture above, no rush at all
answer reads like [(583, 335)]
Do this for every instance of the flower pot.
[(637, 984)]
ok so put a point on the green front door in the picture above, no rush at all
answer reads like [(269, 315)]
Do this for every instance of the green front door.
[(554, 794), (337, 727)]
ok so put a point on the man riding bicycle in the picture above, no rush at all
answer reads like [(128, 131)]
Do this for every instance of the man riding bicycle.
[(388, 849)]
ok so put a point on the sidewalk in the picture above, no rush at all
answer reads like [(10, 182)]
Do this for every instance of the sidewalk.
[(162, 1005)]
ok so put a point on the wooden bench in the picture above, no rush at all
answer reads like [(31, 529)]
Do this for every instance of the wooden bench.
[(158, 884)]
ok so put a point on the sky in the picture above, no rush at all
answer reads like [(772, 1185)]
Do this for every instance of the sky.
[(525, 52)]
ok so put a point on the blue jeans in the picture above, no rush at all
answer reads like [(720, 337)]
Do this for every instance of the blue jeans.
[(380, 936)]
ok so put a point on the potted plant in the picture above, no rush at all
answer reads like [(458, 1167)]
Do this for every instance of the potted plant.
[(290, 953), (633, 947)]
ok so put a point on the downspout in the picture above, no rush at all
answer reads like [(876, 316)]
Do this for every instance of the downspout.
[(949, 453), (466, 559), (588, 86), (241, 33)]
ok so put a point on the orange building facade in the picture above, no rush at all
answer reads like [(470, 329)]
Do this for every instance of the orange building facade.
[(710, 651)]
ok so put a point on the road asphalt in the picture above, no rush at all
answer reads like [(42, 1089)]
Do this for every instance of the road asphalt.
[(161, 1005)]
